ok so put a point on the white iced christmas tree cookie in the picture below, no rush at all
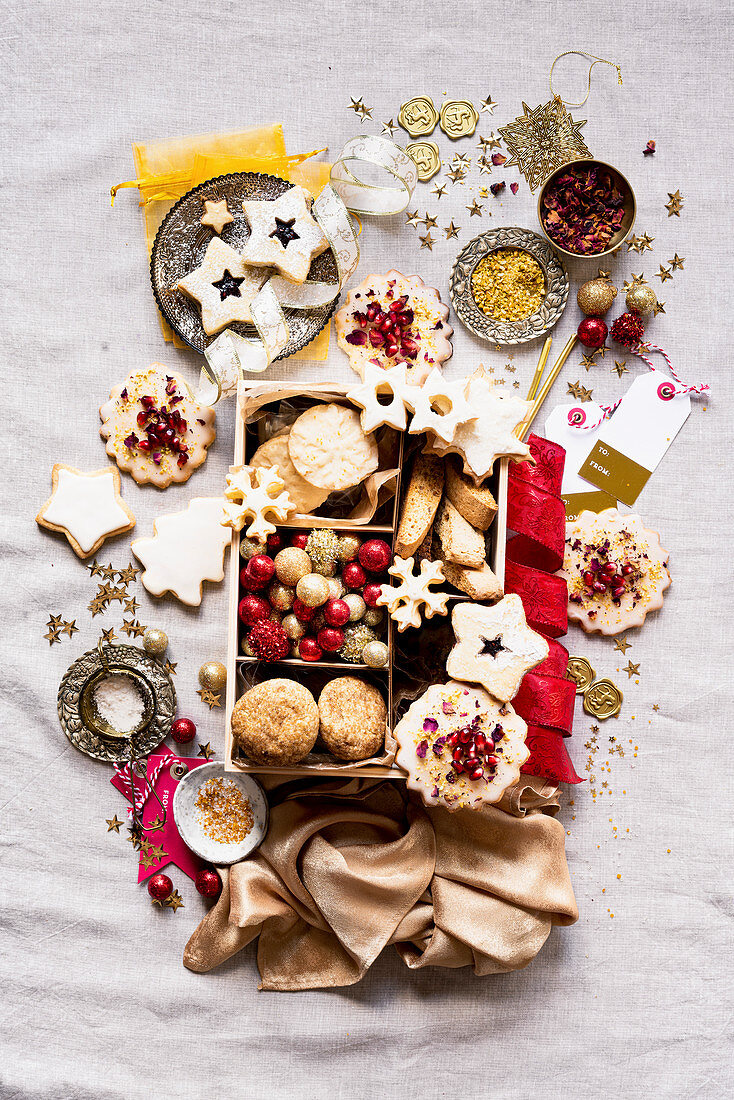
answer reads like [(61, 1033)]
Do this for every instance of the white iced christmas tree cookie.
[(185, 549)]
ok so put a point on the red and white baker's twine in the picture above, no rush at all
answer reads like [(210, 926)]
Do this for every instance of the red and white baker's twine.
[(607, 410), (129, 789)]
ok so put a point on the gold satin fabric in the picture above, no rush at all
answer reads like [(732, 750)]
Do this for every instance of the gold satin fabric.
[(348, 868)]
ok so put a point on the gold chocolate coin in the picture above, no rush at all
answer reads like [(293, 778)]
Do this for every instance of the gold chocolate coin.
[(603, 699), (459, 118), (418, 116), (427, 158), (580, 671)]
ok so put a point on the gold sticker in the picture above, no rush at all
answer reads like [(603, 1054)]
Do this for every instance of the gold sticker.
[(427, 158), (580, 671), (576, 503), (614, 473), (459, 118), (603, 699), (418, 116)]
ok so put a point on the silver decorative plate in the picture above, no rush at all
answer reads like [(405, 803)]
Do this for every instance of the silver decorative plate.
[(186, 815), (74, 712), (181, 242), (508, 332)]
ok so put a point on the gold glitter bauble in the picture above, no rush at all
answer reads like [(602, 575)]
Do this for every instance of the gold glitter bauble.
[(336, 588), (603, 699), (155, 641), (375, 654), (247, 649), (355, 640), (373, 616), (357, 606), (348, 547), (293, 627), (291, 564), (312, 590), (213, 676), (580, 671), (642, 299), (280, 596), (249, 547), (325, 568), (596, 297)]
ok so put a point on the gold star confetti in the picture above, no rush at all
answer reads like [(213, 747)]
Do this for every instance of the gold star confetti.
[(656, 706), (132, 628), (118, 594), (659, 307), (170, 667), (95, 569), (131, 606), (174, 901), (427, 242), (364, 113), (54, 622), (429, 221), (113, 824), (53, 636), (663, 274), (451, 230), (602, 351), (70, 628), (527, 140), (516, 385), (104, 591), (147, 859), (603, 274), (584, 394), (206, 750), (439, 192), (356, 105), (588, 360), (633, 243), (575, 389), (622, 645), (412, 218), (108, 573), (488, 144), (488, 104), (389, 128), (127, 576), (97, 606), (645, 242), (636, 280), (456, 175), (676, 264), (620, 367), (675, 205), (107, 635), (210, 698), (460, 158), (631, 670), (159, 853), (135, 837), (485, 166), (156, 823), (475, 210)]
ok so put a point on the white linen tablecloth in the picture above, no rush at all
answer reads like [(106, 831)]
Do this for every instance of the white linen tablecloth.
[(95, 1000)]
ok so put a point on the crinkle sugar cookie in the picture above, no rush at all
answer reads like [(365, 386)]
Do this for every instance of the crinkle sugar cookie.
[(329, 449), (616, 571), (391, 319), (460, 747)]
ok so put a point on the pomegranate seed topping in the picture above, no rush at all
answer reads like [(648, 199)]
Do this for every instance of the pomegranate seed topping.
[(491, 761), (372, 310), (182, 460), (142, 419), (147, 402), (477, 773), (627, 569), (144, 445), (406, 317), (361, 319), (599, 586), (409, 347)]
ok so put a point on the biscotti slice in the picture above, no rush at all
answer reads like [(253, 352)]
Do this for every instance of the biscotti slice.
[(475, 502), (460, 543), (421, 502), (425, 550), (480, 584)]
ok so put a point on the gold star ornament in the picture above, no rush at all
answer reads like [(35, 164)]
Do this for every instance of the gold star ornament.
[(541, 140), (631, 670), (451, 230), (622, 645), (675, 205), (676, 264), (475, 210), (206, 751), (427, 242), (113, 824), (620, 367)]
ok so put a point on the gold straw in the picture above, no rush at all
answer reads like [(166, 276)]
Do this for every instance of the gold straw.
[(522, 429), (540, 368)]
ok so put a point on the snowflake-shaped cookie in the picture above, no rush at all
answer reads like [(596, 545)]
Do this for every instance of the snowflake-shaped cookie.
[(379, 383), (404, 602), (254, 495), (283, 234), (439, 407), (495, 647)]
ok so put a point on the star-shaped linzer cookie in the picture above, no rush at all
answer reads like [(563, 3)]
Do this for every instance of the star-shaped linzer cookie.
[(216, 215), (224, 286), (495, 647), (283, 234)]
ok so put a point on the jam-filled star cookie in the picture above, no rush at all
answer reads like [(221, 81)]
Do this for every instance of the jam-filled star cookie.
[(616, 571), (283, 234), (391, 319), (460, 747), (155, 429), (224, 286), (495, 647)]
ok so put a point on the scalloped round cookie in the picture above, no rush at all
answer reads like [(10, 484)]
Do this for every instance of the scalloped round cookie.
[(274, 452), (329, 449)]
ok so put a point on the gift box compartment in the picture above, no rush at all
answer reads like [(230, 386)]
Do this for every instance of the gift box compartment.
[(259, 410)]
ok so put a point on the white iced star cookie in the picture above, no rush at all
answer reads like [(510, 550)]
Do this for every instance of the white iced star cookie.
[(490, 435), (460, 747), (185, 549), (283, 234), (392, 387), (404, 602), (495, 647), (439, 407), (216, 215), (155, 429), (87, 508), (254, 495), (224, 286)]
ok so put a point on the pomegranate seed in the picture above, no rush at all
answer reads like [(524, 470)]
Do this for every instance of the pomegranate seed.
[(599, 586), (147, 402), (478, 773), (142, 419), (397, 305), (406, 317), (618, 591), (144, 445), (409, 347), (588, 577), (457, 755), (385, 326), (372, 311), (361, 319), (392, 349), (627, 569), (491, 761)]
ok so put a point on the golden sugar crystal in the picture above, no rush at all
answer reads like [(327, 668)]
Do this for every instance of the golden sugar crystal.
[(508, 284)]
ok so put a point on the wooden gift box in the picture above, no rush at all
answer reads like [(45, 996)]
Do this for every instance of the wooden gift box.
[(243, 672)]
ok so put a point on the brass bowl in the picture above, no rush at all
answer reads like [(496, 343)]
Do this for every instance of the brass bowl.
[(630, 209)]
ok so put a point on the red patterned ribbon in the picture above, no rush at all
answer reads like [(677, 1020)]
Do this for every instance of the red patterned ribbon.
[(537, 515)]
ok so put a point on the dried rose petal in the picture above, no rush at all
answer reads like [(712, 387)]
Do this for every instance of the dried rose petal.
[(514, 188), (497, 187), (649, 149), (421, 749), (430, 725), (358, 337)]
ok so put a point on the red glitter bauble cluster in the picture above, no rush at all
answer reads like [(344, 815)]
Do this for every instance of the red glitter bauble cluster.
[(160, 887), (628, 330), (592, 332), (269, 641), (208, 883), (258, 572)]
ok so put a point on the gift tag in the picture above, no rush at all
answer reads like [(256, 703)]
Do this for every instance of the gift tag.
[(575, 492), (631, 444)]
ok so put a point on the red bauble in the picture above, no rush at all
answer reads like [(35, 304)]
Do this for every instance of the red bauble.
[(250, 583), (160, 887), (336, 612), (330, 639), (375, 555), (253, 609), (261, 567), (302, 611), (592, 332), (628, 330), (269, 641), (309, 650), (370, 592), (183, 730), (274, 544), (299, 541), (208, 883), (353, 575)]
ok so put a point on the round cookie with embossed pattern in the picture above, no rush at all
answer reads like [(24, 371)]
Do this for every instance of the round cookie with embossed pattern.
[(395, 318)]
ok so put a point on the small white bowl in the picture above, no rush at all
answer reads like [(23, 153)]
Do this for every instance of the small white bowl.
[(186, 815)]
